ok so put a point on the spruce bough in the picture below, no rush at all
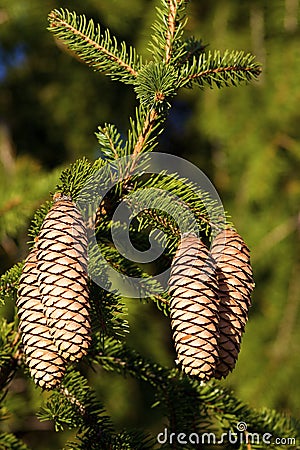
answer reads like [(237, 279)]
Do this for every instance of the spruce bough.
[(188, 406)]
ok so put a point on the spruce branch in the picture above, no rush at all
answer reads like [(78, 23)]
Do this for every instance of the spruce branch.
[(101, 51), (109, 138), (146, 132), (139, 137), (9, 441), (155, 218), (75, 405), (211, 68), (142, 136), (74, 178), (166, 42), (140, 133), (171, 28), (183, 193), (117, 356), (155, 86), (108, 311), (73, 400)]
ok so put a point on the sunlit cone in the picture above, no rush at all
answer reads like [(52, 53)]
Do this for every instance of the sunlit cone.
[(46, 366), (234, 274), (194, 308), (62, 267)]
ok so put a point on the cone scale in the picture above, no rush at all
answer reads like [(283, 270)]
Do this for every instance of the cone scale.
[(194, 308)]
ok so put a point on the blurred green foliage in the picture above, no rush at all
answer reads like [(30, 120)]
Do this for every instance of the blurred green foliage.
[(247, 140)]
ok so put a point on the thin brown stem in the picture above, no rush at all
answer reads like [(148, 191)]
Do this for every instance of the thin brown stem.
[(162, 300), (171, 29), (146, 131), (149, 123)]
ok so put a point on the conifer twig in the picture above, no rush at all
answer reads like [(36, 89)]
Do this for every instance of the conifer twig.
[(171, 28), (111, 143), (163, 220), (150, 120), (176, 231), (72, 399), (149, 123), (161, 299), (56, 21), (219, 70), (136, 366)]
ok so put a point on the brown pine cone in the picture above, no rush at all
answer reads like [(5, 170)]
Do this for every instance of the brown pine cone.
[(62, 267), (235, 281), (194, 308)]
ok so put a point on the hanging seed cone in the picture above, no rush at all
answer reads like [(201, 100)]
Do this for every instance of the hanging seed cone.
[(45, 365), (194, 308), (62, 266), (235, 280)]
